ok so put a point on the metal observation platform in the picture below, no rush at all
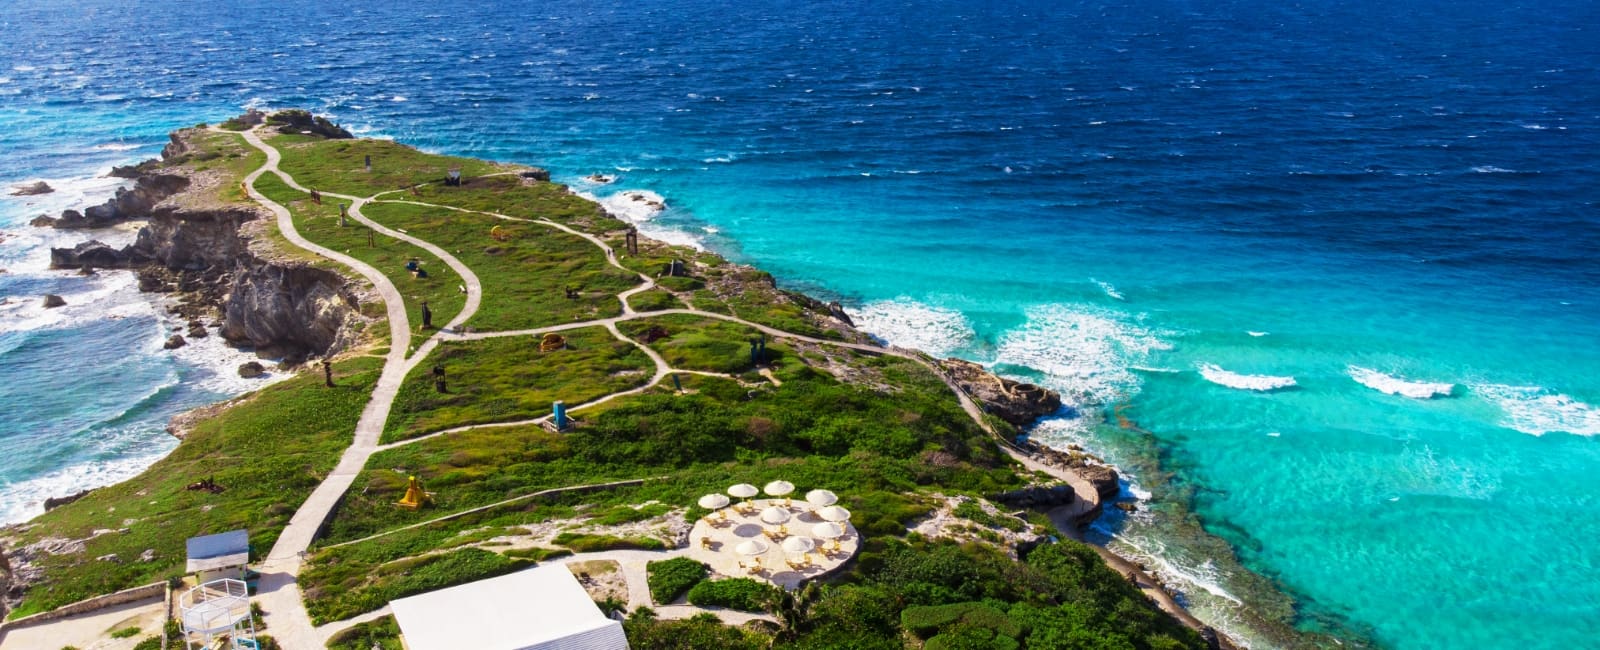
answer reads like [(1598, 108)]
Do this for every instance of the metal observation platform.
[(218, 609)]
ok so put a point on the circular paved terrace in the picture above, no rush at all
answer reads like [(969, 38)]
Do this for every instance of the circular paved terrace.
[(714, 538)]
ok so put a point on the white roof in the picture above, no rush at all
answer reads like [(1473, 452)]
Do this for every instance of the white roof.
[(543, 608)]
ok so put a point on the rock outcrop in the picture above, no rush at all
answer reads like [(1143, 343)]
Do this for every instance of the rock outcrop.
[(252, 369), (1036, 496), (287, 311), (198, 249), (127, 204), (51, 301), (299, 121), (32, 189), (1104, 479), (1015, 402), (51, 503)]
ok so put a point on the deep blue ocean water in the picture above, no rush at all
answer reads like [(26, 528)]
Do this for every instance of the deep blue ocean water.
[(1157, 208)]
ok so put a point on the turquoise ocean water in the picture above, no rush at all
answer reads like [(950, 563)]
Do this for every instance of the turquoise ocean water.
[(1321, 277)]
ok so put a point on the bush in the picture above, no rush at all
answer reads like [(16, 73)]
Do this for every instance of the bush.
[(669, 579), (383, 632), (581, 543), (124, 632), (149, 643), (925, 621), (743, 594)]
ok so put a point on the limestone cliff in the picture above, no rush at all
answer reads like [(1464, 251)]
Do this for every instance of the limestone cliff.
[(203, 249)]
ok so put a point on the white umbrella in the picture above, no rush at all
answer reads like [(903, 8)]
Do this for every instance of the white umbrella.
[(799, 545), (713, 501), (834, 513), (779, 488), (828, 530), (751, 547), (821, 498), (743, 490), (775, 515)]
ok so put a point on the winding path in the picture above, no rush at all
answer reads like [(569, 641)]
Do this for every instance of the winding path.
[(279, 593)]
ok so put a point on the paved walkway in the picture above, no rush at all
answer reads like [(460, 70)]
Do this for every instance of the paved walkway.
[(90, 630)]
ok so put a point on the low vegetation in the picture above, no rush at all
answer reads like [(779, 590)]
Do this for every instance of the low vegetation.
[(267, 452), (526, 269), (511, 378), (745, 594), (438, 285), (381, 633), (672, 578), (363, 592), (339, 165)]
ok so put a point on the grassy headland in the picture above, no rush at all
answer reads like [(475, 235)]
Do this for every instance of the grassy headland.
[(885, 432)]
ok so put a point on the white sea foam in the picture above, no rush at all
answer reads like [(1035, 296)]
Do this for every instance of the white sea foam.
[(1393, 385), (398, 98), (1109, 289), (637, 206), (25, 499), (1255, 333), (1260, 383), (116, 146), (939, 331), (1536, 411), (1491, 169), (1084, 352)]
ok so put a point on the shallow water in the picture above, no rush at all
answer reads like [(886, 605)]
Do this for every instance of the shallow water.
[(1174, 208)]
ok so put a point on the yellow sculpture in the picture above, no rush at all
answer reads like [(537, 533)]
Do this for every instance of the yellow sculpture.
[(552, 342), (499, 234), (415, 498)]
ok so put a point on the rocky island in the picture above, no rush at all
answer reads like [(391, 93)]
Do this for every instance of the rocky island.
[(564, 388)]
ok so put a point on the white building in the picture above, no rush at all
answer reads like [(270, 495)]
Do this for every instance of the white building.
[(543, 608), (219, 556)]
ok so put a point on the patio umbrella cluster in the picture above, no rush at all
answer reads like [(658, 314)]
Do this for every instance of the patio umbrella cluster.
[(778, 517)]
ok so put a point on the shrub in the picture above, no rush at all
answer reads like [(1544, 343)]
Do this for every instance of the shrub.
[(743, 594), (149, 643), (669, 579), (124, 632), (536, 553), (584, 543)]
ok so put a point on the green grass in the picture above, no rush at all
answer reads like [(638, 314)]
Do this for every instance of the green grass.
[(320, 224), (971, 511), (524, 277), (514, 196), (225, 153), (697, 343), (268, 452), (508, 378), (336, 165), (654, 300), (871, 447)]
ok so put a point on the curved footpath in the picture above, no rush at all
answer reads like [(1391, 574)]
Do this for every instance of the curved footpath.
[(279, 593)]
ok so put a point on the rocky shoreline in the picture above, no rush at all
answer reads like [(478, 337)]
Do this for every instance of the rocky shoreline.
[(207, 254)]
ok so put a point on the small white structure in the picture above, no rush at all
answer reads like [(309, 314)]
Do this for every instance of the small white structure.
[(218, 609), (219, 556), (543, 608)]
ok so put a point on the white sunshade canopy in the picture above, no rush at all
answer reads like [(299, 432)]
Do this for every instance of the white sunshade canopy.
[(775, 515), (779, 488), (713, 501), (542, 608), (799, 545), (743, 490), (828, 530), (751, 547), (821, 498), (834, 513)]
